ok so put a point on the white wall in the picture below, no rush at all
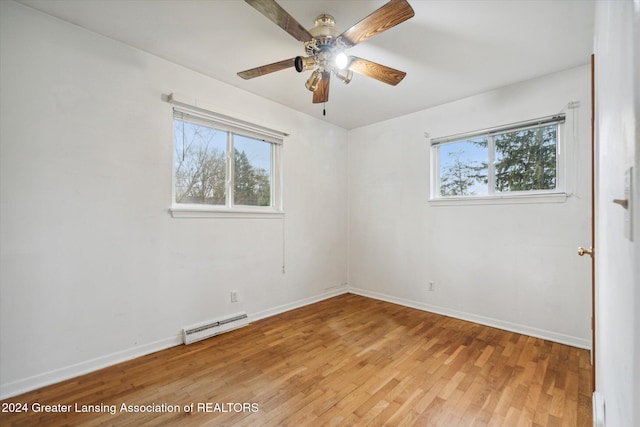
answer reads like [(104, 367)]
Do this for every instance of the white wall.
[(93, 267), (509, 265), (617, 55)]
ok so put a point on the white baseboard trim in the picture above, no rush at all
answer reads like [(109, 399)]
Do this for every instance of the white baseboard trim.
[(332, 292), (41, 380), (487, 321)]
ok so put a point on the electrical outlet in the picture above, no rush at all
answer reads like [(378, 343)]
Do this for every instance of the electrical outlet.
[(234, 296), (432, 286)]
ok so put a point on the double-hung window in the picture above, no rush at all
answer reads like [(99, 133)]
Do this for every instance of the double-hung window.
[(514, 160), (222, 166)]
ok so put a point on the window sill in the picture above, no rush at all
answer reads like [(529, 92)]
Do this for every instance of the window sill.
[(501, 199), (209, 212)]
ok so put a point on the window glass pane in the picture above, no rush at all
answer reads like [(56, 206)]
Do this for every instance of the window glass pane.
[(525, 160), (199, 163), (252, 171), (463, 167)]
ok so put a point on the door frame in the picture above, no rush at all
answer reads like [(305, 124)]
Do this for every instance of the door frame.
[(593, 228)]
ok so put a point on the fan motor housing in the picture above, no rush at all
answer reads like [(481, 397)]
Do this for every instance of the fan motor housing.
[(324, 28)]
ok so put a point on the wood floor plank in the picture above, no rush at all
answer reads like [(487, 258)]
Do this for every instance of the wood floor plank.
[(349, 360)]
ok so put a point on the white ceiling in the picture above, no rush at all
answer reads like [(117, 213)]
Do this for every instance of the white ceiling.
[(450, 49)]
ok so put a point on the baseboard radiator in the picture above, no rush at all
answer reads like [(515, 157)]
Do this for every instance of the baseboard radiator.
[(209, 329)]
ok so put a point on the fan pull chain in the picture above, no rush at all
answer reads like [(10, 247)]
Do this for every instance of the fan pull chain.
[(324, 109)]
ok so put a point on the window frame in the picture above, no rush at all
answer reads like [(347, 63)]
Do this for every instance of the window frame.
[(231, 127), (557, 194)]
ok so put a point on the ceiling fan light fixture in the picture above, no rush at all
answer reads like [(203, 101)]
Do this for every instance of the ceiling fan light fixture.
[(341, 60), (344, 75), (304, 63), (313, 81), (324, 46)]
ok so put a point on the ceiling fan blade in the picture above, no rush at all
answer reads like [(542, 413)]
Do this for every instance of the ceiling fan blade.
[(281, 18), (266, 69), (388, 16), (379, 72), (321, 94)]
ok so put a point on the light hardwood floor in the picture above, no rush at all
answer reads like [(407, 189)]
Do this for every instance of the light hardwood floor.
[(349, 360)]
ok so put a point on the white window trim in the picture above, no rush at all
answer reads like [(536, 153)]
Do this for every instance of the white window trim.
[(227, 122), (206, 211), (556, 195), (502, 199)]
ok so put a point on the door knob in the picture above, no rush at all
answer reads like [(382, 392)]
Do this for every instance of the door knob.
[(582, 251)]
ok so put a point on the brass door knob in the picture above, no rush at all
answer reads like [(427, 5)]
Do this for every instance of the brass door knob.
[(582, 251)]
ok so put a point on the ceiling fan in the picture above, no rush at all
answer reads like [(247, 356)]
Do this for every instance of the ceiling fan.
[(324, 46)]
